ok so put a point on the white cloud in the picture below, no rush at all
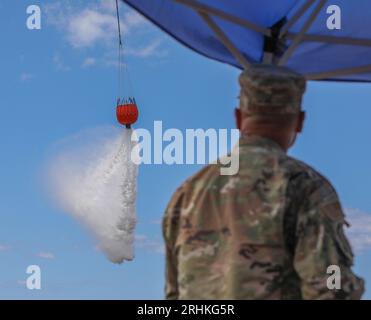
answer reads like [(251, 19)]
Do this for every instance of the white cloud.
[(59, 63), (109, 6), (134, 20), (46, 255), (152, 245), (26, 76), (151, 49), (95, 24), (89, 27), (89, 62), (360, 231), (21, 283), (4, 248)]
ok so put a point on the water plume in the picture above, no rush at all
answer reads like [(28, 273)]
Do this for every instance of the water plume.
[(92, 178)]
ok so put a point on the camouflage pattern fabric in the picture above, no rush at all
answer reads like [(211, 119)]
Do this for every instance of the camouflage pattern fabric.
[(271, 89), (268, 232)]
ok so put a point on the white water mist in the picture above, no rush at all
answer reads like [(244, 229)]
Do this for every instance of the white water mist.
[(93, 179)]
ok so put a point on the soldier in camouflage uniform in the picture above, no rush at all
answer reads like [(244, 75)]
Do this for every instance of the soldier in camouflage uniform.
[(270, 231)]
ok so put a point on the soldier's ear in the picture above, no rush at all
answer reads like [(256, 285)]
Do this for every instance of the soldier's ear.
[(238, 116), (301, 120)]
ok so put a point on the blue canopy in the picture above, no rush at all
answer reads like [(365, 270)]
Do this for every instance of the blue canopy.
[(294, 33)]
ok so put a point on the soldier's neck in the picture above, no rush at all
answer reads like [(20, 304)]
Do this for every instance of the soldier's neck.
[(282, 140)]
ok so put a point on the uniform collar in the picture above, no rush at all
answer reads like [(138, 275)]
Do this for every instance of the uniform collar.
[(261, 142)]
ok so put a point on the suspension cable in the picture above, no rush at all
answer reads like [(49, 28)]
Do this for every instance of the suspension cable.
[(118, 23), (123, 69), (119, 53)]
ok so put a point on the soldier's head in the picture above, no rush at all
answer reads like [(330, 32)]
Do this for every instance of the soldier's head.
[(270, 103)]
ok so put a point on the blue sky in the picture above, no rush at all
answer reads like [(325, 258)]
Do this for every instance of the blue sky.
[(62, 79)]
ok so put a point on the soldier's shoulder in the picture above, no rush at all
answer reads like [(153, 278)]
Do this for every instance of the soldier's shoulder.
[(310, 189), (305, 175), (314, 189), (201, 178)]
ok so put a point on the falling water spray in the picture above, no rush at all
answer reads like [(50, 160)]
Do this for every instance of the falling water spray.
[(95, 182)]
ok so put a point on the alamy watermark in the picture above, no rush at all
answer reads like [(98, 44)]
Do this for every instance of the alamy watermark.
[(196, 146), (33, 281), (33, 21), (334, 20), (334, 280)]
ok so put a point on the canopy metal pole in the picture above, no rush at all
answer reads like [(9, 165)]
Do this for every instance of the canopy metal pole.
[(296, 17), (206, 11), (273, 44), (338, 72), (268, 57), (224, 39), (302, 32), (225, 16)]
